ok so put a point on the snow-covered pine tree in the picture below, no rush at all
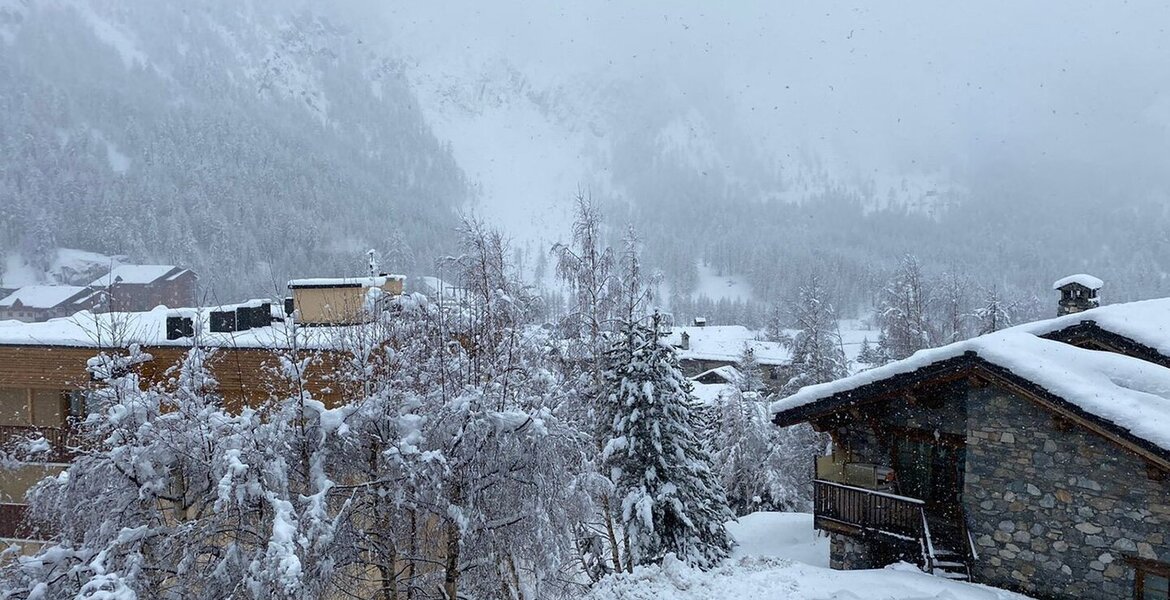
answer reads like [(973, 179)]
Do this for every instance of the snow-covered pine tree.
[(952, 308), (994, 314), (751, 377), (902, 312), (817, 354), (672, 501), (868, 355), (741, 440)]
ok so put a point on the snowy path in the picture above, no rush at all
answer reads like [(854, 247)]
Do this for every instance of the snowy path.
[(781, 558)]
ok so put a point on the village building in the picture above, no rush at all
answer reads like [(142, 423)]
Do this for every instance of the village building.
[(35, 303), (702, 349), (44, 381), (128, 288), (1034, 459), (340, 300)]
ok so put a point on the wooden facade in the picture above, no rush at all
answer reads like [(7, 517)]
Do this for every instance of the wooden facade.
[(42, 391)]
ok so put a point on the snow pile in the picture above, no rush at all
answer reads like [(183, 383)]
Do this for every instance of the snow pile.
[(781, 556)]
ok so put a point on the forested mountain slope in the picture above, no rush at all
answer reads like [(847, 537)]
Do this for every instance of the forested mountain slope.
[(249, 140)]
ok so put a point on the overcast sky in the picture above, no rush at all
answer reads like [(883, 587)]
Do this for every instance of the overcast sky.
[(891, 86)]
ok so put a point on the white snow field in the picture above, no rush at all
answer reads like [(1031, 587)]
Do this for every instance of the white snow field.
[(781, 557)]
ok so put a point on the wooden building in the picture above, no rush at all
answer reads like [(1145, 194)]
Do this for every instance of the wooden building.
[(340, 300), (129, 288), (1033, 459), (37, 303), (44, 381)]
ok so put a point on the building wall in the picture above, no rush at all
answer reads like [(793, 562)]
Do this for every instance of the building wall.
[(139, 297), (1054, 513), (333, 305)]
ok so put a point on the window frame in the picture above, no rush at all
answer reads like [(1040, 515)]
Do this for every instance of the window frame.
[(1143, 567)]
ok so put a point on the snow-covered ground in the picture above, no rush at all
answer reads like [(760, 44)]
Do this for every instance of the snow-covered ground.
[(69, 266), (781, 557), (854, 333)]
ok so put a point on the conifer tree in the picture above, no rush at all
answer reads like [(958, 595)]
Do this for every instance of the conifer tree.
[(868, 354), (994, 314), (751, 378), (817, 355), (903, 312), (671, 499)]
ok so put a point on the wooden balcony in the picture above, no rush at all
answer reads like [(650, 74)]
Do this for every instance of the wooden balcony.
[(852, 510), (62, 441)]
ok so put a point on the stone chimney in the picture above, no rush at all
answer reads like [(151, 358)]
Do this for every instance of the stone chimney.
[(1077, 293), (686, 341)]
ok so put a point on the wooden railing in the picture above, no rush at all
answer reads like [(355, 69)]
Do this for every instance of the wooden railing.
[(869, 509), (61, 440)]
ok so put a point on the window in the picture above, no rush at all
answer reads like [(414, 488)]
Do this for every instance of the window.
[(14, 406), (1151, 580), (48, 408)]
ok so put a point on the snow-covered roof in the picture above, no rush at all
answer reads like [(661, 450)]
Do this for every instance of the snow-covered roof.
[(728, 373), (1086, 280), (134, 275), (726, 343), (43, 296), (326, 282), (89, 329), (1146, 322), (1127, 392)]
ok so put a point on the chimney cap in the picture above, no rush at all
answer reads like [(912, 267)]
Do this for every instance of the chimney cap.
[(1081, 279)]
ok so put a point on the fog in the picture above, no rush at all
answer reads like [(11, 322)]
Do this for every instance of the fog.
[(752, 140), (903, 88)]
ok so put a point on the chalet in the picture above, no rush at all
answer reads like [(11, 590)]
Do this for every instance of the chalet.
[(704, 348), (129, 288), (37, 303), (1033, 459)]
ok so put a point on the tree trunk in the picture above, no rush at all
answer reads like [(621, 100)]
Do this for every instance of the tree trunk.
[(454, 536), (614, 549), (410, 565)]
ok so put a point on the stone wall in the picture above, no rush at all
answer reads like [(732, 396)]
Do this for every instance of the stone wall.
[(849, 553), (1055, 513)]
